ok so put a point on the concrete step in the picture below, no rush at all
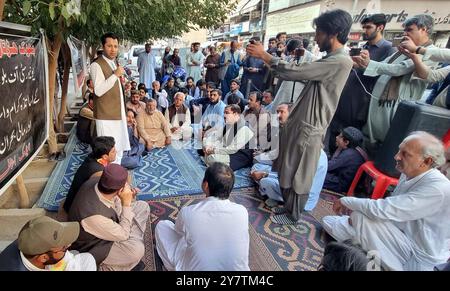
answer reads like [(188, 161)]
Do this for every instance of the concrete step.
[(10, 198), (12, 221), (39, 169), (68, 125)]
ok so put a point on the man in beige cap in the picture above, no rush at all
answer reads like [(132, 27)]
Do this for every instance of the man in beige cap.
[(43, 245), (112, 223)]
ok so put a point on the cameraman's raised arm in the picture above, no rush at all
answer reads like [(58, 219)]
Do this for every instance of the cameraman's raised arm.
[(316, 71)]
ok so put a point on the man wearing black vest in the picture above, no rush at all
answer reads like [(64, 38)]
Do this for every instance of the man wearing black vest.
[(232, 145), (103, 153), (112, 224), (179, 119), (109, 105)]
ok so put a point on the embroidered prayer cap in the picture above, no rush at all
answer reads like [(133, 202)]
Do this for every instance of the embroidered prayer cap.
[(114, 177)]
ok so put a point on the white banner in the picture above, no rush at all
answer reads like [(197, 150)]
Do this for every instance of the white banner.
[(79, 60)]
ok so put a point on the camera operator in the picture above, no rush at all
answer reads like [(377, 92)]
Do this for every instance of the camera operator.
[(354, 102), (303, 132), (396, 80)]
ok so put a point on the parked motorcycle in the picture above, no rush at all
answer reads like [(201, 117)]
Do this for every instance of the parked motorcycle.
[(178, 73)]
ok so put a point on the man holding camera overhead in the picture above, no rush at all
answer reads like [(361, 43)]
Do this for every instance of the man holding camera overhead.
[(396, 80), (354, 102)]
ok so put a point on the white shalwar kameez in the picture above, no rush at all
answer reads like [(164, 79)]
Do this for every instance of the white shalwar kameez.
[(408, 231), (211, 235), (115, 128)]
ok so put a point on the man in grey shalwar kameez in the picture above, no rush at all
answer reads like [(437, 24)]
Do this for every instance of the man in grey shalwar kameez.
[(397, 80), (304, 131)]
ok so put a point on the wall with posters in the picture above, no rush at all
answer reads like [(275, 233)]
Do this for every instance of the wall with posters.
[(24, 114), (396, 11)]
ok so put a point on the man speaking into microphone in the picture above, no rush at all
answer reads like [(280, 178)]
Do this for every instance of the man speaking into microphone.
[(109, 105)]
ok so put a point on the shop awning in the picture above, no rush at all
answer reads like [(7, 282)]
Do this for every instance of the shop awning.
[(239, 7), (250, 6)]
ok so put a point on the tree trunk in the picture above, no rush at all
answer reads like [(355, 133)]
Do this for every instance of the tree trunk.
[(53, 48), (2, 6), (65, 84)]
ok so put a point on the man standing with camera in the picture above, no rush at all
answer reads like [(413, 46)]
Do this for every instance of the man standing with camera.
[(396, 80), (354, 102), (304, 131)]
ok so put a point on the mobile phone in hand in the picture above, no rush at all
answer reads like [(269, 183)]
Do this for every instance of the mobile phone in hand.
[(397, 41), (355, 51)]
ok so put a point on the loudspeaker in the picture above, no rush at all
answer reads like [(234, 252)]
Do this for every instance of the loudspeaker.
[(410, 116)]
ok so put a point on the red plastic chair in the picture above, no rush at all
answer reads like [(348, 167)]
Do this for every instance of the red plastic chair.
[(382, 181)]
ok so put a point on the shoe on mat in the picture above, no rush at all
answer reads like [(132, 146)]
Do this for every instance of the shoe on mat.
[(61, 156), (278, 210), (52, 157), (283, 219), (271, 203)]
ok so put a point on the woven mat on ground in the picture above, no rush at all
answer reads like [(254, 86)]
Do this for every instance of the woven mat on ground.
[(173, 171), (272, 247), (59, 182), (176, 171)]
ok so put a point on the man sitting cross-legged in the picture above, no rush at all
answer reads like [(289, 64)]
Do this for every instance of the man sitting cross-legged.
[(230, 144), (211, 235), (112, 223), (410, 229), (179, 118), (103, 153), (153, 127)]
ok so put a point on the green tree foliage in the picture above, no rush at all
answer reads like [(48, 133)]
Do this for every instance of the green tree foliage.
[(132, 20)]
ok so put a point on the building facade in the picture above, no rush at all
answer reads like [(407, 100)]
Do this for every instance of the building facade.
[(265, 18)]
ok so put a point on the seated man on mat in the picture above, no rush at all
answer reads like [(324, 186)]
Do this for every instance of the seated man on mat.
[(133, 158), (267, 179), (347, 159), (410, 229), (103, 153), (153, 127), (231, 146), (112, 222), (179, 118), (211, 235), (42, 246)]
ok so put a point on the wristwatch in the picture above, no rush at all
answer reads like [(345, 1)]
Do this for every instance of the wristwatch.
[(418, 49)]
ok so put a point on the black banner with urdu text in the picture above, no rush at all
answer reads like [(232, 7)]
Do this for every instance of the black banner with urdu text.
[(23, 103)]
